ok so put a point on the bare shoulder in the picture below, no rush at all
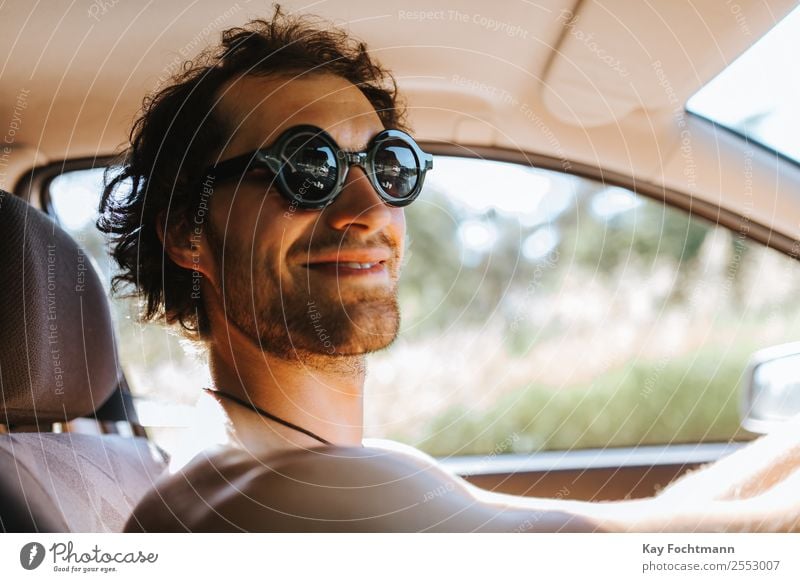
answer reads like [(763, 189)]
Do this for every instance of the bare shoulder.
[(376, 488)]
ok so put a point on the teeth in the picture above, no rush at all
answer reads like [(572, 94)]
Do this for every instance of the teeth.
[(359, 265)]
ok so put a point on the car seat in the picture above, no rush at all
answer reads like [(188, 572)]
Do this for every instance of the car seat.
[(58, 363)]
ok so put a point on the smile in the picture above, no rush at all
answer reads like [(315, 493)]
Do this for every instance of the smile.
[(359, 265), (346, 268)]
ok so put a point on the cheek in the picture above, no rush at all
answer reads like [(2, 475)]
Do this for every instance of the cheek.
[(240, 221), (280, 231), (252, 220)]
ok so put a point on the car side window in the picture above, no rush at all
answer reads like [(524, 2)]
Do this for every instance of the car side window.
[(540, 311), (164, 373)]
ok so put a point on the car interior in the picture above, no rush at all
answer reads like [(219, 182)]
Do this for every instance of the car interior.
[(591, 96)]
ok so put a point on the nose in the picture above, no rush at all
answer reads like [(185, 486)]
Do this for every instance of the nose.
[(358, 207)]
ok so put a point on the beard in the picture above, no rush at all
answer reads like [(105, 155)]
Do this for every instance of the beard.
[(299, 321)]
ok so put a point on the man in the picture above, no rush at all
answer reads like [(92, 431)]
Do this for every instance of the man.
[(253, 224)]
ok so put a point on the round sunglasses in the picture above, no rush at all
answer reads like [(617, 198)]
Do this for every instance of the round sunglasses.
[(309, 168)]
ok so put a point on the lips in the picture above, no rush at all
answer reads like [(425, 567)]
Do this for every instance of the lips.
[(348, 269), (350, 262), (359, 266)]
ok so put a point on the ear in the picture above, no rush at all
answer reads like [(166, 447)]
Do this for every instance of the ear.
[(187, 247)]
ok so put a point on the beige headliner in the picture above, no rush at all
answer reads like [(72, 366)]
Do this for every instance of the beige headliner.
[(599, 83)]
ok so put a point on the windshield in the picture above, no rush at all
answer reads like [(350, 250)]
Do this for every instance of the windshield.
[(757, 96)]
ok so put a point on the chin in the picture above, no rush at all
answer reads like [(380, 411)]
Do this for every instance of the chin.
[(349, 339)]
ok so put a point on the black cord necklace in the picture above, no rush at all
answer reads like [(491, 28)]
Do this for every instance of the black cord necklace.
[(269, 415)]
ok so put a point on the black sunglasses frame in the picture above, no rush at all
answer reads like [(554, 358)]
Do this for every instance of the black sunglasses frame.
[(271, 158)]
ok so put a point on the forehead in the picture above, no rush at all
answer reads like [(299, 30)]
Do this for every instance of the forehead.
[(257, 109)]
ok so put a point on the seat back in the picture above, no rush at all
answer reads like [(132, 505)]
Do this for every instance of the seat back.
[(73, 482), (58, 362)]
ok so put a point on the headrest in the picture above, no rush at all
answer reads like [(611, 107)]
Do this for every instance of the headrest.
[(57, 354)]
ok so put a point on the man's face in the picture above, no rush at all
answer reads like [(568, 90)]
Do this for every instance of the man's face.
[(292, 279)]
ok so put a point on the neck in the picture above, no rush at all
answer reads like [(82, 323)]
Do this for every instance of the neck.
[(323, 395)]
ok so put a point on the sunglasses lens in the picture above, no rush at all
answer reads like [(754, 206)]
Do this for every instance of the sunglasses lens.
[(309, 168), (396, 168)]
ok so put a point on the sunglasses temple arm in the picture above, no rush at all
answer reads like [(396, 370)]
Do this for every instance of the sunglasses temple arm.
[(237, 166), (230, 168)]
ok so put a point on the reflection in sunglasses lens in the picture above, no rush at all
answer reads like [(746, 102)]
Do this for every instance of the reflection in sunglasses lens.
[(396, 168), (310, 167)]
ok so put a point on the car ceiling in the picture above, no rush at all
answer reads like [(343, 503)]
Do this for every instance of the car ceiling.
[(600, 83)]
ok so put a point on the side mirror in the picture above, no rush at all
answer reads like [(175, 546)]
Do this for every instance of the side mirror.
[(772, 388)]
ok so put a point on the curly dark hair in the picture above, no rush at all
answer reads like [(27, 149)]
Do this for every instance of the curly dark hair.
[(178, 133)]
